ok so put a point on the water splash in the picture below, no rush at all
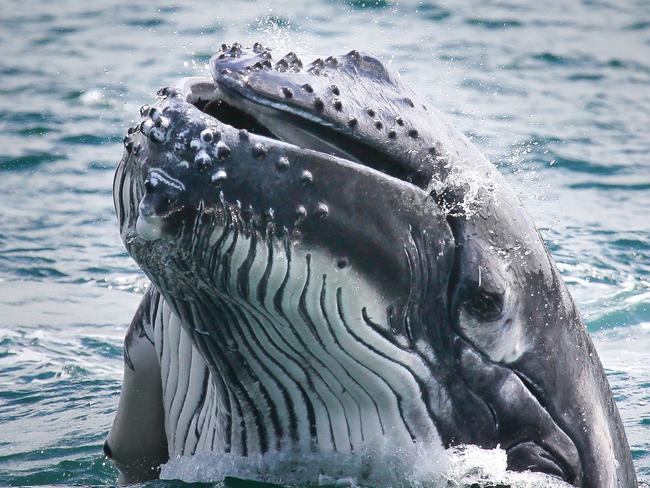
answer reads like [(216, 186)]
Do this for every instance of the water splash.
[(379, 466)]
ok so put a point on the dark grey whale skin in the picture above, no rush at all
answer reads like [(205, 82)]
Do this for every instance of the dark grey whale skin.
[(384, 182)]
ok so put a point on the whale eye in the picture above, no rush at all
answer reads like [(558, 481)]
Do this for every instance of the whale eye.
[(484, 306)]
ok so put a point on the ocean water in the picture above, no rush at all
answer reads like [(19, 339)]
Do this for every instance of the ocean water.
[(557, 94)]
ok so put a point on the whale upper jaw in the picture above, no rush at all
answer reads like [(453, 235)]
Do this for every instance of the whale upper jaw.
[(231, 162)]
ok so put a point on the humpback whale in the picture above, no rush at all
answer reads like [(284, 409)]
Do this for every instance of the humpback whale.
[(332, 263)]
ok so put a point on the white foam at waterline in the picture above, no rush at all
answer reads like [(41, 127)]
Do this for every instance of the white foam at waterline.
[(380, 467)]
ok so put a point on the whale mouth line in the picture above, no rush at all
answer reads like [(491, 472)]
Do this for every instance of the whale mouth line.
[(528, 454), (276, 122), (534, 442)]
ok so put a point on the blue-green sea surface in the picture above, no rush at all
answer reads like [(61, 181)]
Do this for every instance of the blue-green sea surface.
[(556, 93)]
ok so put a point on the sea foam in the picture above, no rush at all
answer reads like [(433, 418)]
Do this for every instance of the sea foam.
[(377, 466)]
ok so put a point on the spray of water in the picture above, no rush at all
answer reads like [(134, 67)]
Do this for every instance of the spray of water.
[(378, 466)]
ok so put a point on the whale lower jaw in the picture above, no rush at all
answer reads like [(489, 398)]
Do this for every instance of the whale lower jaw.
[(282, 355)]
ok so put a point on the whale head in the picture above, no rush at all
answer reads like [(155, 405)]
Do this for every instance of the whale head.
[(313, 215)]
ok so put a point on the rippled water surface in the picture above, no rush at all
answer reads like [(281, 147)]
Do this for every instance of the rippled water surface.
[(556, 93)]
